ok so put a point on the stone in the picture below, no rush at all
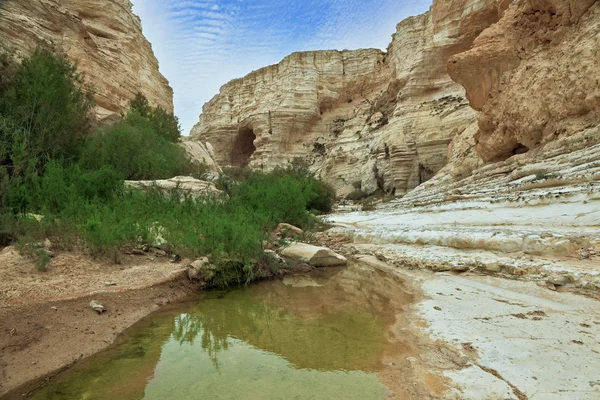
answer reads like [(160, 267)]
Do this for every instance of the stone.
[(284, 229), (274, 256), (507, 67), (104, 37), (559, 280), (313, 255), (493, 267), (200, 270), (99, 308), (283, 234), (188, 186), (201, 154)]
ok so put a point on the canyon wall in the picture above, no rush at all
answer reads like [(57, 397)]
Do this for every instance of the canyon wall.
[(103, 36), (384, 119), (469, 82), (534, 78)]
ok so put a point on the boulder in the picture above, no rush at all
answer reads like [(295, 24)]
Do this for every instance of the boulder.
[(283, 235), (313, 255), (287, 230), (193, 187), (99, 308), (200, 270)]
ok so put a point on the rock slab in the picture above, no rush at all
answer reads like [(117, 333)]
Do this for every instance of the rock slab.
[(313, 255)]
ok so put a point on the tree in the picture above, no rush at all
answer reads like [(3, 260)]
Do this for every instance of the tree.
[(44, 111), (164, 124)]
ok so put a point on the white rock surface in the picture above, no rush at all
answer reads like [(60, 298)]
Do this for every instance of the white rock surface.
[(541, 343), (188, 185), (313, 255)]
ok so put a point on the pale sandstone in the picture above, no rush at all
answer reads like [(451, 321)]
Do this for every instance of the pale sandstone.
[(201, 154), (186, 185), (104, 37), (313, 255)]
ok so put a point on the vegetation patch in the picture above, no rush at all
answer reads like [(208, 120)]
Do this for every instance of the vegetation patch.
[(63, 181)]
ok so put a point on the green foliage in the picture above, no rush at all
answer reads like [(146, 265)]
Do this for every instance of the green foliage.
[(57, 184), (166, 124), (320, 194), (163, 123), (134, 149), (140, 105), (44, 109)]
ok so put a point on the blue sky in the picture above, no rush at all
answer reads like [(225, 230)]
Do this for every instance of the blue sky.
[(203, 44)]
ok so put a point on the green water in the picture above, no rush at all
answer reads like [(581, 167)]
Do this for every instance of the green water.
[(314, 337)]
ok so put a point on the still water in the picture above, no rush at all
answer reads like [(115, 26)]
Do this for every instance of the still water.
[(317, 336)]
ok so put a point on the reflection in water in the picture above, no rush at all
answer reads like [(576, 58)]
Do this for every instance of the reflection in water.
[(270, 341)]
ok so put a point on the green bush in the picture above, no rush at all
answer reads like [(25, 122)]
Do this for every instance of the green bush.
[(134, 149), (320, 195), (57, 184), (164, 124), (44, 109)]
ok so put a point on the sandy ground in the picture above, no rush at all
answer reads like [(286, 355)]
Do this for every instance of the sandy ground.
[(46, 323)]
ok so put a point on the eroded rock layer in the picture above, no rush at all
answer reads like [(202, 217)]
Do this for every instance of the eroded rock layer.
[(103, 36), (533, 75), (384, 119)]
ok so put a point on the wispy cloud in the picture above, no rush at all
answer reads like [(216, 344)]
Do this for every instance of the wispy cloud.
[(202, 44)]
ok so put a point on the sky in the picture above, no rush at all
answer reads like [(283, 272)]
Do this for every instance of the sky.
[(203, 44)]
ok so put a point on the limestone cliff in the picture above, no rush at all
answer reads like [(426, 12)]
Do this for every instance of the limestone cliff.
[(533, 75), (394, 119), (103, 36), (383, 118)]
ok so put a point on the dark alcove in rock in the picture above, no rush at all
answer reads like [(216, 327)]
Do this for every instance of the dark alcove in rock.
[(243, 147)]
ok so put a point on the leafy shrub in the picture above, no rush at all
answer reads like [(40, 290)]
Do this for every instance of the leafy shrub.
[(44, 108), (164, 124), (56, 184), (320, 195), (134, 149)]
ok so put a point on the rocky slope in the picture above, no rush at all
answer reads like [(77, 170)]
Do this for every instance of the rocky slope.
[(103, 36)]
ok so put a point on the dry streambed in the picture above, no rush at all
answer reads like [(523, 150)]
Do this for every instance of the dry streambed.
[(510, 290)]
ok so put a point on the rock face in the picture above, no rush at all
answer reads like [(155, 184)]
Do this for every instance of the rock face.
[(393, 120), (201, 154), (103, 36), (384, 119), (533, 75)]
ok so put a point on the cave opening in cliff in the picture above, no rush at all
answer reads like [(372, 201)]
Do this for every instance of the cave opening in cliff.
[(243, 147)]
